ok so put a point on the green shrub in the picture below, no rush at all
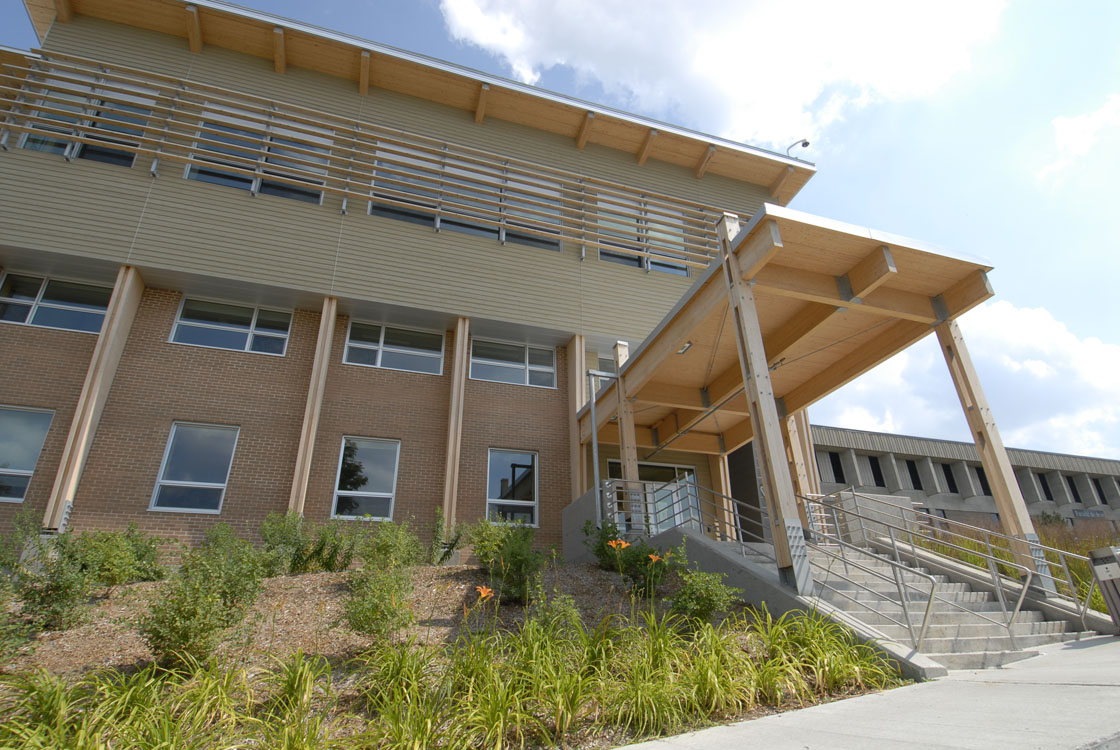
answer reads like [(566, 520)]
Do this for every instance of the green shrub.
[(211, 592), (378, 602), (443, 546), (293, 547), (52, 587), (112, 558), (506, 551), (645, 566), (596, 540), (14, 633), (390, 545), (26, 525), (702, 595)]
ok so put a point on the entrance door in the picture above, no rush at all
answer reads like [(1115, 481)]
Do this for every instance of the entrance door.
[(671, 501)]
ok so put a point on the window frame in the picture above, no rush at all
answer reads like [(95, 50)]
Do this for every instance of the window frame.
[(643, 239), (527, 366), (44, 280), (536, 502), (380, 347), (249, 333), (209, 485), (22, 472), (338, 470)]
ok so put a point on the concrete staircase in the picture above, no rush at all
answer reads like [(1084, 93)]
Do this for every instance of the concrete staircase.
[(958, 636)]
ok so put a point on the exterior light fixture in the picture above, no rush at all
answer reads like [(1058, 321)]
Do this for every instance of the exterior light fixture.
[(685, 348)]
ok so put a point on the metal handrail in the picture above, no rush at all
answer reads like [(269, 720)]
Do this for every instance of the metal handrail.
[(945, 526)]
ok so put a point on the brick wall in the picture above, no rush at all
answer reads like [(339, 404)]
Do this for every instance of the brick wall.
[(159, 383), (41, 368)]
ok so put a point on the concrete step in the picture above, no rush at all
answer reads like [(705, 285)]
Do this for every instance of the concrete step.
[(977, 629), (845, 592), (991, 643), (953, 618), (916, 585), (981, 659)]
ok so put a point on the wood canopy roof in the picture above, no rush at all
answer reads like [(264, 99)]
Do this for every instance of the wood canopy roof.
[(834, 300), (286, 42)]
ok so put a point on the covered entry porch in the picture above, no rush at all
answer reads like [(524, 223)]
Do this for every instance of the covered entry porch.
[(794, 307)]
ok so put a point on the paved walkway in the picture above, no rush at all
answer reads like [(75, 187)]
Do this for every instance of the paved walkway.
[(1068, 697)]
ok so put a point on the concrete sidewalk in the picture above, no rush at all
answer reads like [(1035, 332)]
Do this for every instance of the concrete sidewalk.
[(1067, 697)]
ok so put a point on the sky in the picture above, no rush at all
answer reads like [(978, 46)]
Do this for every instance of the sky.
[(984, 127)]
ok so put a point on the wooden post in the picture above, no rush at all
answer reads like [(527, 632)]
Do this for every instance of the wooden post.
[(460, 367), (627, 440), (577, 397), (123, 304), (1013, 515), (808, 450), (314, 407), (724, 515), (795, 457), (773, 468)]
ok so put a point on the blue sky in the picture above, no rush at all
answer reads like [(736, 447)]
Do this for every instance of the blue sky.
[(983, 127)]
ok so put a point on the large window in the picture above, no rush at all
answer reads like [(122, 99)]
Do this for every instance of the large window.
[(367, 478), (22, 432), (195, 468), (269, 150), (511, 486), (637, 224), (513, 363), (221, 326), (52, 303), (107, 111), (394, 348)]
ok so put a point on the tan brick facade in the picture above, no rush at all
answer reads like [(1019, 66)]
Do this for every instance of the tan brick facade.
[(41, 368)]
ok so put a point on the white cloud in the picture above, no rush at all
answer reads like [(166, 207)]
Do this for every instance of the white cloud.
[(767, 71), (1075, 136), (1049, 390)]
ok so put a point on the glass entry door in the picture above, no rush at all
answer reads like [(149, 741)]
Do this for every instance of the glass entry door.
[(668, 501)]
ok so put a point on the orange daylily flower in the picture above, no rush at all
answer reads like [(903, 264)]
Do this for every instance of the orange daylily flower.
[(655, 558), (617, 544), (484, 592)]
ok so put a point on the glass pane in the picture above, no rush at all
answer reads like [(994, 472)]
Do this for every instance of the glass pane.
[(368, 465), (525, 514), (43, 143), (192, 498), (624, 259), (74, 320), (21, 287), (672, 268), (217, 313), (272, 321), (200, 454), (498, 352), (14, 486), (542, 378), (420, 340), (21, 437), (14, 313), (284, 190), (410, 362), (540, 357), (511, 476), (77, 295), (216, 337), (106, 155), (497, 373), (218, 177), (268, 344), (242, 143), (357, 355), (358, 506), (365, 334)]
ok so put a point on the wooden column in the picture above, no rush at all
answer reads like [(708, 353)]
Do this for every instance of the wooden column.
[(1013, 515), (577, 397), (627, 440), (316, 387), (799, 471), (460, 367), (773, 468), (808, 450), (123, 304), (725, 508)]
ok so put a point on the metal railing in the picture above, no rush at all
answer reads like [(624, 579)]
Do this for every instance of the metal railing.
[(64, 104), (960, 541)]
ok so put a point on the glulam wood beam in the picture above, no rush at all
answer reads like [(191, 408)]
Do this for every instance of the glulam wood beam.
[(627, 442), (63, 10), (194, 29), (647, 146), (780, 183), (480, 105), (363, 72), (693, 442), (705, 160), (279, 51), (460, 367), (577, 397), (585, 130), (824, 289), (872, 272), (313, 408)]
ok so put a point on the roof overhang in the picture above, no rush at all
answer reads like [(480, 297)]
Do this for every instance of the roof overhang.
[(369, 64), (834, 300)]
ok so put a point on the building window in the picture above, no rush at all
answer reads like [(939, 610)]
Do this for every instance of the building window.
[(195, 468), (367, 478), (22, 432), (1072, 488), (638, 224), (513, 363), (1099, 489), (511, 487), (221, 326), (1045, 484), (604, 364), (985, 488), (837, 467), (915, 477), (876, 471), (950, 480), (53, 304), (286, 159), (394, 348)]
